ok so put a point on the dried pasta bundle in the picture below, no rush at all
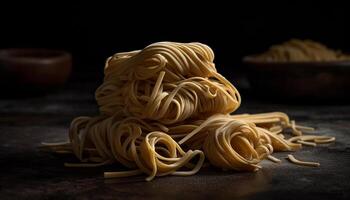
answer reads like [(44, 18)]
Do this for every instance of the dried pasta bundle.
[(164, 109), (296, 50)]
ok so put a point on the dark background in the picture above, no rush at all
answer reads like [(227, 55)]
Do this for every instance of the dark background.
[(92, 31)]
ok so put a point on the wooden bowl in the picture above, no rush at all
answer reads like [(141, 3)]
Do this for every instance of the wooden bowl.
[(315, 81), (29, 69)]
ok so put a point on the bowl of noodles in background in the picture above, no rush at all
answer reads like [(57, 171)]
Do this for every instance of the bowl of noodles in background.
[(299, 70)]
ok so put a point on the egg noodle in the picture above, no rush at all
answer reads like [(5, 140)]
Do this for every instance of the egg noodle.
[(296, 50), (165, 110)]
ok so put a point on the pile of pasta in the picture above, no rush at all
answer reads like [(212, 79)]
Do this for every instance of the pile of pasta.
[(296, 50), (165, 110)]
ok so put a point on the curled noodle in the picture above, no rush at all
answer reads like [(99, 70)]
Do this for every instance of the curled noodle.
[(164, 109)]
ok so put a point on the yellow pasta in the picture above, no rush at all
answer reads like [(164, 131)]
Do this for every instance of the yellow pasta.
[(165, 110), (304, 163), (296, 50)]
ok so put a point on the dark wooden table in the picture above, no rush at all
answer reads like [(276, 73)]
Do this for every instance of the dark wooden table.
[(30, 174)]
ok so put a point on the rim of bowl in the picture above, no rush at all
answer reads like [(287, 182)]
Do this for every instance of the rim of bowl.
[(251, 60), (31, 55)]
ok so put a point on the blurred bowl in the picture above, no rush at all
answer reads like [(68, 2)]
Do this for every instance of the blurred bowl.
[(299, 80), (34, 69)]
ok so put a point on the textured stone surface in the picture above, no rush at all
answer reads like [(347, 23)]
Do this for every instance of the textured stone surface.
[(26, 172)]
